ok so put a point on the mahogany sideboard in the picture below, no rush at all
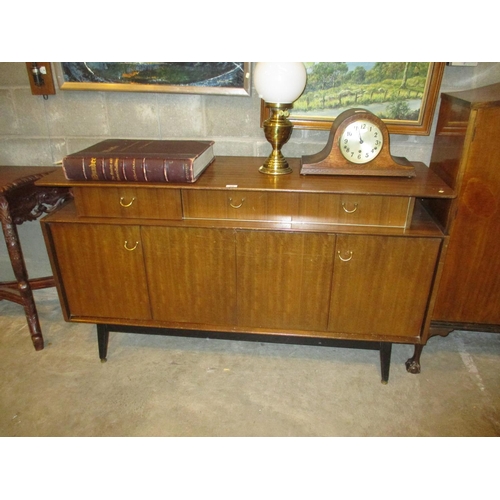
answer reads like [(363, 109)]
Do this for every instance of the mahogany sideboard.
[(293, 258), (466, 154)]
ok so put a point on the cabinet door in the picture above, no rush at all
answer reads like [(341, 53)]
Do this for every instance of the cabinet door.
[(381, 284), (284, 279), (102, 270), (191, 274)]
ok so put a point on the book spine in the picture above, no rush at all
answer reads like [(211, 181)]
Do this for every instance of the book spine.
[(130, 169)]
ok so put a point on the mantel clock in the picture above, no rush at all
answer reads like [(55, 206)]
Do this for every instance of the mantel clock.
[(358, 144)]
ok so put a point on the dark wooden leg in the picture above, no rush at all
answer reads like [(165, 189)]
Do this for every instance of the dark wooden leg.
[(385, 360), (21, 274), (102, 341), (413, 364)]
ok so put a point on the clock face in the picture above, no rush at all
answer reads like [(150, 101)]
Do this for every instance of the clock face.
[(361, 141)]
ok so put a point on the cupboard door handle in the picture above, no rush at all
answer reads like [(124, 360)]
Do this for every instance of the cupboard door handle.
[(236, 206), (126, 205), (349, 211), (130, 249), (345, 259)]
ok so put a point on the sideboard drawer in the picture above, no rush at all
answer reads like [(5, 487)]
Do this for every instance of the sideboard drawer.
[(128, 202), (239, 205), (355, 210)]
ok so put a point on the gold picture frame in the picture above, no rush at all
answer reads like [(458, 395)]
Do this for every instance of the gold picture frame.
[(422, 90), (230, 78)]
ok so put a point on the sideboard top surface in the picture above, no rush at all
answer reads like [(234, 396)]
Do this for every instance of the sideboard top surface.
[(237, 172)]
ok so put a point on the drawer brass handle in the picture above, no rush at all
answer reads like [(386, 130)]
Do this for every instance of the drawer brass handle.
[(343, 259), (349, 211), (236, 206), (130, 249), (126, 205)]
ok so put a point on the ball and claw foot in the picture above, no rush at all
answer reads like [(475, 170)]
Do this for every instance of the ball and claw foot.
[(412, 366)]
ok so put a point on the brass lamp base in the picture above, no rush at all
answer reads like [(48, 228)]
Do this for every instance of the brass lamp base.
[(277, 129), (275, 166)]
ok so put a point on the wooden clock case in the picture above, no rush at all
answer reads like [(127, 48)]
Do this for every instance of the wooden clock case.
[(331, 161)]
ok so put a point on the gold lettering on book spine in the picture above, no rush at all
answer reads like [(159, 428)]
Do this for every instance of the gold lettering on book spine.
[(134, 171), (115, 174), (93, 169)]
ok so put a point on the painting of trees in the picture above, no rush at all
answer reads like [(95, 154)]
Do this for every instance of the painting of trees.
[(392, 90)]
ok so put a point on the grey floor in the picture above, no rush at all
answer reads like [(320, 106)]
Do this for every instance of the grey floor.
[(174, 386)]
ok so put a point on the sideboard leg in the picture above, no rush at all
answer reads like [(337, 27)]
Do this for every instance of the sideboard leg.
[(385, 360), (413, 364), (102, 341)]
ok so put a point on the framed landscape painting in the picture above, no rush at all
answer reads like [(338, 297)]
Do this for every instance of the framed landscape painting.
[(219, 78), (403, 94)]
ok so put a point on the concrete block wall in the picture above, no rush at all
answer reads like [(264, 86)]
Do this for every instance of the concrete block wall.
[(39, 132)]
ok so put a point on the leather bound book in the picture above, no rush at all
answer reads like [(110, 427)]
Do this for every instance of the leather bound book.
[(141, 160)]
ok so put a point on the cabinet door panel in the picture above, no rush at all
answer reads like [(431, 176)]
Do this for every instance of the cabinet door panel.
[(284, 279), (191, 274), (381, 284), (100, 276)]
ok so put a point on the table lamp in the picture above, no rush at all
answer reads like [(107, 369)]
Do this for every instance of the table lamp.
[(279, 84)]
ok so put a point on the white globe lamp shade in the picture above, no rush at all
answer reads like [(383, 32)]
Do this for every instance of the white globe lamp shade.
[(280, 82)]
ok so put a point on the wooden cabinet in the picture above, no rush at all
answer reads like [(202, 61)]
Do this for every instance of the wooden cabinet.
[(467, 155), (297, 257)]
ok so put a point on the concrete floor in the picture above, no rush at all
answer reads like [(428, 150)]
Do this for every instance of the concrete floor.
[(174, 386)]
